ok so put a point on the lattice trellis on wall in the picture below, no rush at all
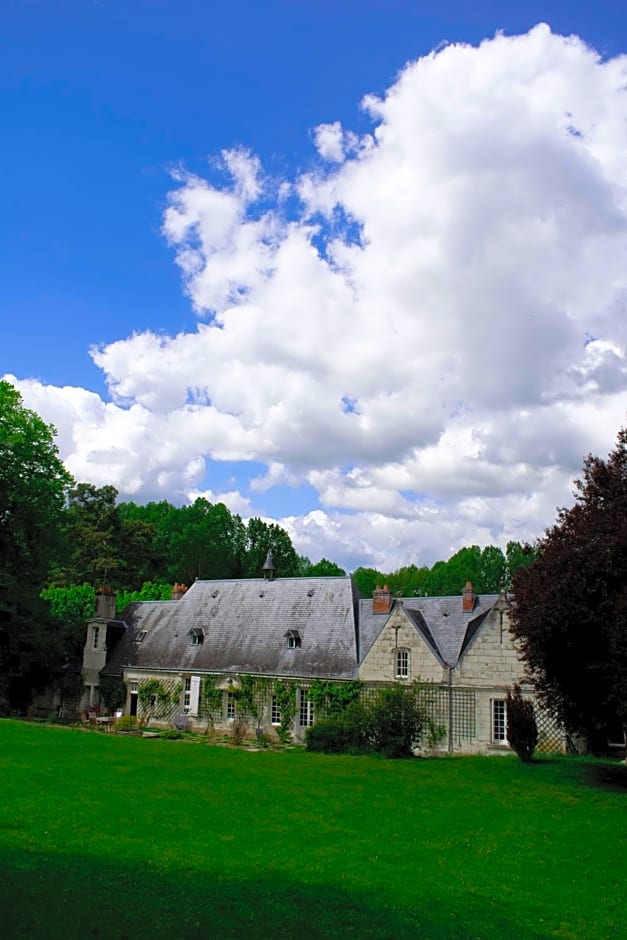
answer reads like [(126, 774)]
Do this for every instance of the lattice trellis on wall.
[(164, 701), (463, 709), (551, 737)]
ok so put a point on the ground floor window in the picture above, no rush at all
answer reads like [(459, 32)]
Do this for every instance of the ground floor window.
[(499, 721), (134, 698), (230, 706), (276, 711), (306, 715)]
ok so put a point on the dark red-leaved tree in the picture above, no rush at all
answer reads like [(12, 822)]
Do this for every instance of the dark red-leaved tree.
[(571, 604)]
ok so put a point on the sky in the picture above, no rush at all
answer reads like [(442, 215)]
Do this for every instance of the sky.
[(355, 267)]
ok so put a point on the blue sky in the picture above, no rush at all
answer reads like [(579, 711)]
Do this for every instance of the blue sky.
[(102, 102)]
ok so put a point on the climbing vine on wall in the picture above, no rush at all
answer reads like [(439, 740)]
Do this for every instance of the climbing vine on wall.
[(333, 698), (211, 697), (252, 695), (158, 698), (285, 695)]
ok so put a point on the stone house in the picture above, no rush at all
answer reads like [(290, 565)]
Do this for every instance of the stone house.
[(196, 653)]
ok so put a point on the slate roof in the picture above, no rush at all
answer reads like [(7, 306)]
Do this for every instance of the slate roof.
[(243, 625), (445, 627)]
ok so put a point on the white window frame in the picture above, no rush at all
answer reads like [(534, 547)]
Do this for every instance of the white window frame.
[(401, 664), (498, 716), (305, 710), (275, 711), (230, 706), (294, 640)]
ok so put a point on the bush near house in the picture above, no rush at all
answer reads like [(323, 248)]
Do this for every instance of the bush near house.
[(392, 722), (522, 730)]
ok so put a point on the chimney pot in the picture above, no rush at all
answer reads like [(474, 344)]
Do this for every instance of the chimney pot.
[(468, 598), (381, 600)]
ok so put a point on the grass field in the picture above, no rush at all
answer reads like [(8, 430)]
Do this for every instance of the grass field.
[(121, 837)]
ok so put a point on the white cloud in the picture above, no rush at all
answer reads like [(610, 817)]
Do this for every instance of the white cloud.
[(416, 345), (329, 141), (233, 500)]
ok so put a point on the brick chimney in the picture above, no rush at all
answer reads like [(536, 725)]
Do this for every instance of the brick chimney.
[(105, 602), (381, 600), (178, 591), (468, 598)]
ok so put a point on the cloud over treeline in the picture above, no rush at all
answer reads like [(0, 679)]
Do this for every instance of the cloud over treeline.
[(427, 326)]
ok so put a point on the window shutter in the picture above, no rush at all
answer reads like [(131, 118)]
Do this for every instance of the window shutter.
[(194, 693)]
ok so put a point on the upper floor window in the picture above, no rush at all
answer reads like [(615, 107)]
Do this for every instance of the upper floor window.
[(96, 636), (294, 640), (196, 637), (401, 664)]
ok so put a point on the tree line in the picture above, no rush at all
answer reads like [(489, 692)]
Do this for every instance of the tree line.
[(60, 539), (490, 569)]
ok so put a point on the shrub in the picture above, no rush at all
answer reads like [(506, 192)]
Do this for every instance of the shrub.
[(126, 723), (112, 692), (396, 721), (522, 730), (392, 723), (335, 736)]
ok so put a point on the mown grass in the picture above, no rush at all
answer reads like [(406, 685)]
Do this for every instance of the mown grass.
[(112, 837)]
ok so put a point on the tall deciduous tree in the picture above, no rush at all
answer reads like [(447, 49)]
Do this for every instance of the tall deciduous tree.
[(367, 579), (262, 537), (571, 603), (94, 534), (321, 569), (33, 488)]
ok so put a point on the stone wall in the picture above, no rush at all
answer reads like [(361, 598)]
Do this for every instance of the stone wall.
[(400, 632)]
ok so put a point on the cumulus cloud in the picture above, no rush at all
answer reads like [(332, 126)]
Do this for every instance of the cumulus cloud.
[(329, 140), (434, 339)]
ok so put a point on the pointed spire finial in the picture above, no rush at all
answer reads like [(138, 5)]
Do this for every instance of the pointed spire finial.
[(268, 567)]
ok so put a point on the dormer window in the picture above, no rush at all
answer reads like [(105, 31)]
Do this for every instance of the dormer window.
[(141, 636), (196, 637), (294, 640)]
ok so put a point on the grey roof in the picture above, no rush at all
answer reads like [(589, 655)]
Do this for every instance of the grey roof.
[(445, 627), (244, 625)]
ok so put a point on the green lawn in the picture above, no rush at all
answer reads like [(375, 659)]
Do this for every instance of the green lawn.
[(122, 837)]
